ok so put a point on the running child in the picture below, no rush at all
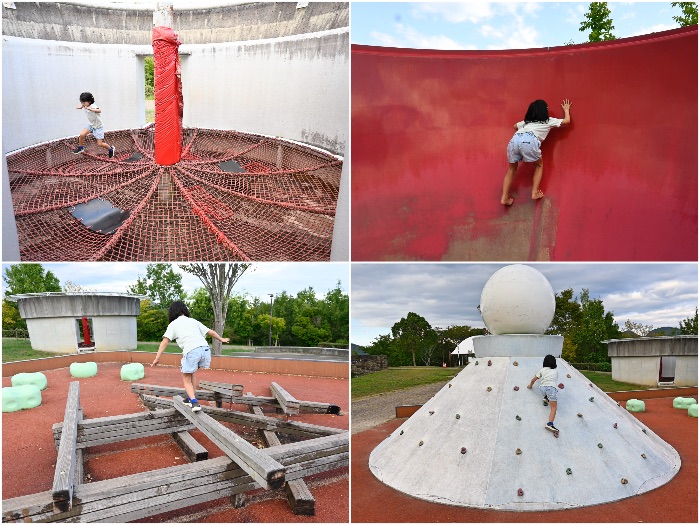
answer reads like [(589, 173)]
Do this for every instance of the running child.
[(525, 144), (94, 125), (548, 377), (189, 335)]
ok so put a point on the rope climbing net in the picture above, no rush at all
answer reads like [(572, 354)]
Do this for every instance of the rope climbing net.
[(232, 196)]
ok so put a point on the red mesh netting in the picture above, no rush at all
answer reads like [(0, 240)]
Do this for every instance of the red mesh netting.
[(279, 206)]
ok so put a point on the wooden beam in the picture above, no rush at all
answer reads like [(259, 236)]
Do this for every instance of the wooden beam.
[(64, 476), (79, 460), (191, 447), (242, 418), (268, 472), (286, 400)]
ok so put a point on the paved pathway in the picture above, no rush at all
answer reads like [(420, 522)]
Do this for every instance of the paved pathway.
[(372, 411)]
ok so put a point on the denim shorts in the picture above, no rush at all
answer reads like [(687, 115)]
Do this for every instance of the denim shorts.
[(199, 357), (98, 133), (550, 392), (524, 147)]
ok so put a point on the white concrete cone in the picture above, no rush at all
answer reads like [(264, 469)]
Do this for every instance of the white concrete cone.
[(481, 443)]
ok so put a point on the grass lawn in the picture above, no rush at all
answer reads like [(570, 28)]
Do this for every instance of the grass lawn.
[(399, 378), (606, 383), (21, 350)]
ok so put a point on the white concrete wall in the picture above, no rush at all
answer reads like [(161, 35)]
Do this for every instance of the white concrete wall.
[(293, 87), (637, 370), (686, 370), (114, 333), (58, 335), (42, 80)]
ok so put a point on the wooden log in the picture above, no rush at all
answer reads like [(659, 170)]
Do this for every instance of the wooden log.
[(228, 389), (191, 447), (256, 421), (270, 437), (138, 496), (64, 476), (79, 460), (286, 400), (268, 472)]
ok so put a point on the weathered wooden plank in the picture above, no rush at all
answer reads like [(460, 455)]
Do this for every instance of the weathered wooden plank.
[(191, 447), (253, 420), (228, 389), (300, 498), (270, 438), (268, 472), (79, 463), (155, 390), (287, 401), (64, 476)]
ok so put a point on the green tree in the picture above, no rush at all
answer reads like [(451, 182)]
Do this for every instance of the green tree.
[(161, 284), (596, 326), (450, 337), (567, 314), (278, 324), (690, 13), (20, 279), (148, 71), (238, 324), (412, 333), (599, 23), (688, 326), (336, 310), (641, 330), (200, 307), (151, 323)]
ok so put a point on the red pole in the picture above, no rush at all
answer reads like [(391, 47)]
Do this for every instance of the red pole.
[(168, 96), (86, 332)]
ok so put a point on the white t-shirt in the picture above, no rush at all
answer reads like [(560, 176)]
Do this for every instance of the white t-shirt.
[(548, 377), (188, 333), (540, 129), (93, 118)]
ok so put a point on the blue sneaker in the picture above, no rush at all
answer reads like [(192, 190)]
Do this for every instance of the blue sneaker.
[(550, 426), (111, 152), (78, 150)]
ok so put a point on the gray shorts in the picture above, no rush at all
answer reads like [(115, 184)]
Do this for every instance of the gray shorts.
[(550, 392), (98, 133), (524, 147), (199, 357)]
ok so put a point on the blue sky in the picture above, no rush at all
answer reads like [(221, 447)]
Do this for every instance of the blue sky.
[(448, 293), (265, 279), (496, 25)]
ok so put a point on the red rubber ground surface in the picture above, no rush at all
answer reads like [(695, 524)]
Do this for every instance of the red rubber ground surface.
[(29, 455), (677, 501)]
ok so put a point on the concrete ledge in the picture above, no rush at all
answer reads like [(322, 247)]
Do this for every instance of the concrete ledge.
[(653, 393), (314, 350), (241, 364)]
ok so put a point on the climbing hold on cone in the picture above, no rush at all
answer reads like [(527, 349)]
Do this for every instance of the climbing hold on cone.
[(489, 363), (568, 471), (457, 416), (464, 450), (476, 362), (568, 375), (450, 385), (561, 386), (600, 445), (401, 433), (515, 363), (488, 389), (518, 451), (556, 434), (520, 492), (590, 399), (518, 418), (644, 430), (590, 384), (644, 456), (579, 414), (615, 425), (420, 443), (623, 481), (516, 388), (431, 412)]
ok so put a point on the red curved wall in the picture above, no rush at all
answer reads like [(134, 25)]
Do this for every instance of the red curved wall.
[(429, 136)]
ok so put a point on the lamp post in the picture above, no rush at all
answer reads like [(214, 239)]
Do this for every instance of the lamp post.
[(270, 338)]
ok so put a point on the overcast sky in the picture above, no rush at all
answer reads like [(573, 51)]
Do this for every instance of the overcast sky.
[(265, 279), (448, 293), (496, 25)]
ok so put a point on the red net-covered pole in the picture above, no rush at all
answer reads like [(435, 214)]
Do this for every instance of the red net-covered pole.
[(86, 332), (168, 96)]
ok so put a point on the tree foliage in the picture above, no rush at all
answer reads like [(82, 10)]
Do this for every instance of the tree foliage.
[(149, 66), (413, 334), (689, 326), (689, 14), (162, 285), (20, 279), (599, 23), (639, 329)]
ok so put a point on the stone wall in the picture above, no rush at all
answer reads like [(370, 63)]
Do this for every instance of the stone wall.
[(366, 364)]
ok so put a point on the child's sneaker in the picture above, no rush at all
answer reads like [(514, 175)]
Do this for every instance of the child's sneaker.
[(550, 426), (111, 152), (187, 402), (195, 406), (79, 149)]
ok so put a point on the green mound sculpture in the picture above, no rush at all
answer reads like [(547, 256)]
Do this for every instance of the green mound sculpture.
[(132, 372), (636, 405), (88, 369), (16, 398), (693, 410), (683, 402), (24, 378)]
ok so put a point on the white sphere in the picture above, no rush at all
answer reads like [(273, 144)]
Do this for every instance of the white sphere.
[(517, 299)]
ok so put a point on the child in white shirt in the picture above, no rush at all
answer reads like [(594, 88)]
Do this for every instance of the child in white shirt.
[(548, 377)]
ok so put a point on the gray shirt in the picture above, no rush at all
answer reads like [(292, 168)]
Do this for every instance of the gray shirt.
[(93, 118)]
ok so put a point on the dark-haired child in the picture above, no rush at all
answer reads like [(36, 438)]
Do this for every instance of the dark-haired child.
[(189, 335), (94, 125), (548, 386), (525, 144)]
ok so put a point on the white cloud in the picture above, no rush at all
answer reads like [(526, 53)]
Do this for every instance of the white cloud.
[(406, 36), (456, 12), (651, 29)]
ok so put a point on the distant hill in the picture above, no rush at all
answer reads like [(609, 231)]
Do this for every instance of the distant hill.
[(357, 349), (662, 331)]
